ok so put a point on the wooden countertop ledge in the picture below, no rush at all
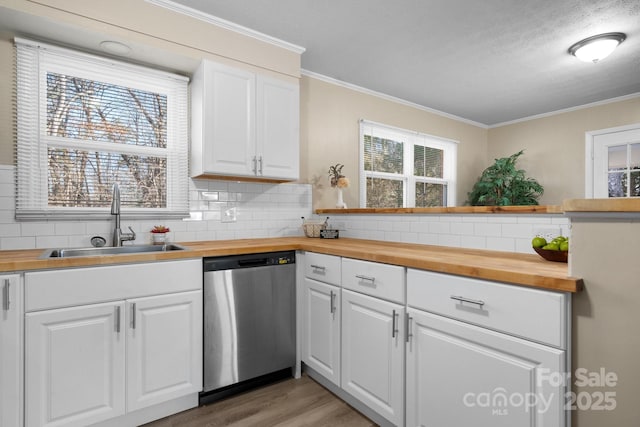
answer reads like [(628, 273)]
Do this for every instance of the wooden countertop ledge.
[(515, 268)]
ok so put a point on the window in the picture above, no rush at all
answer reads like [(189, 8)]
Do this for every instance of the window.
[(86, 122), (614, 167), (400, 168)]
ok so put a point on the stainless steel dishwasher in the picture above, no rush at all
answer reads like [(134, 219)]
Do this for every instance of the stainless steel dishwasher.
[(249, 319)]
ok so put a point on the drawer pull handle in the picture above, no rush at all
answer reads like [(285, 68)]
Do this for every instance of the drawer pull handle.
[(318, 267), (332, 298), (470, 301), (367, 278), (6, 295), (394, 324)]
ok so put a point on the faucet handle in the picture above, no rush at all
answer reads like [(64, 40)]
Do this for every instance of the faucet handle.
[(133, 234)]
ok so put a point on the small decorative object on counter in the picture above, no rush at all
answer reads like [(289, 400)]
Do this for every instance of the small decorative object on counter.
[(338, 181), (555, 250), (312, 227), (159, 234), (329, 233)]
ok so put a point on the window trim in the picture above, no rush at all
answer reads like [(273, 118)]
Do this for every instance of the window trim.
[(450, 150), (32, 141)]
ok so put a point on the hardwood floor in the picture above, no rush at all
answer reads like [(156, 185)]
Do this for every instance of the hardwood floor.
[(289, 403)]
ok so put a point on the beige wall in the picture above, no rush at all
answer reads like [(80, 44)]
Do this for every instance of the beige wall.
[(555, 145), (606, 315), (330, 117), (6, 101)]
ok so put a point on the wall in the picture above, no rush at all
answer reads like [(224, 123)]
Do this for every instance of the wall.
[(606, 316), (262, 210), (555, 145), (330, 117), (499, 232)]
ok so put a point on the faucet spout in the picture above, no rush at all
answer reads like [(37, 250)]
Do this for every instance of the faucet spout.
[(118, 235)]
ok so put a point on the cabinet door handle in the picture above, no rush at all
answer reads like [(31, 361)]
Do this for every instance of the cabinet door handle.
[(260, 163), (117, 319), (394, 324), (318, 267), (367, 278), (477, 302), (6, 296), (133, 315), (332, 298), (409, 332), (255, 165)]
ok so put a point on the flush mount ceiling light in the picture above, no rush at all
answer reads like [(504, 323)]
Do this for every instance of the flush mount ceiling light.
[(593, 49), (115, 48)]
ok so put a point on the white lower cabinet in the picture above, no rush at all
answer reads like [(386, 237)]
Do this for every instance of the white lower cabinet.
[(460, 374), (11, 344), (321, 326), (373, 353), (164, 348), (75, 365), (137, 347)]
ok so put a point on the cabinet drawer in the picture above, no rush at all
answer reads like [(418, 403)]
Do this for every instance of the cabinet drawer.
[(371, 278), (324, 268), (528, 313), (78, 286)]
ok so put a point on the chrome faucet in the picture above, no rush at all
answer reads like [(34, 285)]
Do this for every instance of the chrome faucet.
[(118, 235)]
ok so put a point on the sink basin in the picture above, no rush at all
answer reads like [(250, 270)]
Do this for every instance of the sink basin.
[(109, 250)]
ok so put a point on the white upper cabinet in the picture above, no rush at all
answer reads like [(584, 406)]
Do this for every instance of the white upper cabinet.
[(243, 124)]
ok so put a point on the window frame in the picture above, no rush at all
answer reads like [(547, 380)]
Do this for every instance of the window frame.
[(596, 158), (34, 60), (409, 139)]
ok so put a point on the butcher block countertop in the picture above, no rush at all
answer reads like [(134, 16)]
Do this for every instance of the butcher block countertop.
[(520, 269)]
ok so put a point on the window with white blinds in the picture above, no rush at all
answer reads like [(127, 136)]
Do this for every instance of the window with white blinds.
[(401, 168), (85, 122)]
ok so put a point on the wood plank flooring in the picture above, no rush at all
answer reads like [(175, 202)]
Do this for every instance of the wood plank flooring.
[(289, 403)]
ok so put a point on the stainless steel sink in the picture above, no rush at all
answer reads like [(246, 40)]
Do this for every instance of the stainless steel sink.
[(109, 250)]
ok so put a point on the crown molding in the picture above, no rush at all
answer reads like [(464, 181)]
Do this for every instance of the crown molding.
[(568, 110), (227, 25), (384, 96)]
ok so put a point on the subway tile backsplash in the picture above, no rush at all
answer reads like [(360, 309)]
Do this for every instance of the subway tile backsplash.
[(274, 210)]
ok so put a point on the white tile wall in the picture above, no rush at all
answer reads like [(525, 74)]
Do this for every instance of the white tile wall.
[(263, 210), (503, 232), (274, 210)]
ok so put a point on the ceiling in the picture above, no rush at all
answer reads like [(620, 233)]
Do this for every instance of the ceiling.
[(489, 61)]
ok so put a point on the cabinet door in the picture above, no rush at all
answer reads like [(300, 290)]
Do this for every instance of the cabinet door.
[(229, 121), (321, 335), (278, 128), (74, 365), (460, 374), (10, 351), (373, 353), (164, 348)]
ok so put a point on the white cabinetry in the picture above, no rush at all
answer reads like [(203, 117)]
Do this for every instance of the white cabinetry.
[(475, 371), (373, 353), (11, 350), (243, 124), (373, 336), (75, 367), (321, 329), (108, 341)]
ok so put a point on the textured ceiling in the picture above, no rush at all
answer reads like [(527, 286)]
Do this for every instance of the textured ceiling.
[(488, 61)]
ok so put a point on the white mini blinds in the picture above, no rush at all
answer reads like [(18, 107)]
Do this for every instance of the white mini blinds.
[(85, 122), (404, 169)]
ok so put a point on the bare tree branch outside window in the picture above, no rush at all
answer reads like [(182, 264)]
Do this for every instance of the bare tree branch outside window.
[(94, 113)]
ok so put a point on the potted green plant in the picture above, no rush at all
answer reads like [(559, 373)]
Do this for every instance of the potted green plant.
[(503, 184)]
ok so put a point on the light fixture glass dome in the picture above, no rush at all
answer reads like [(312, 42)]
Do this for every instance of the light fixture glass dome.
[(596, 48)]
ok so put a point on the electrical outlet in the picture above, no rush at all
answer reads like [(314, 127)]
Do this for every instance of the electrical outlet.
[(229, 215), (547, 233)]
